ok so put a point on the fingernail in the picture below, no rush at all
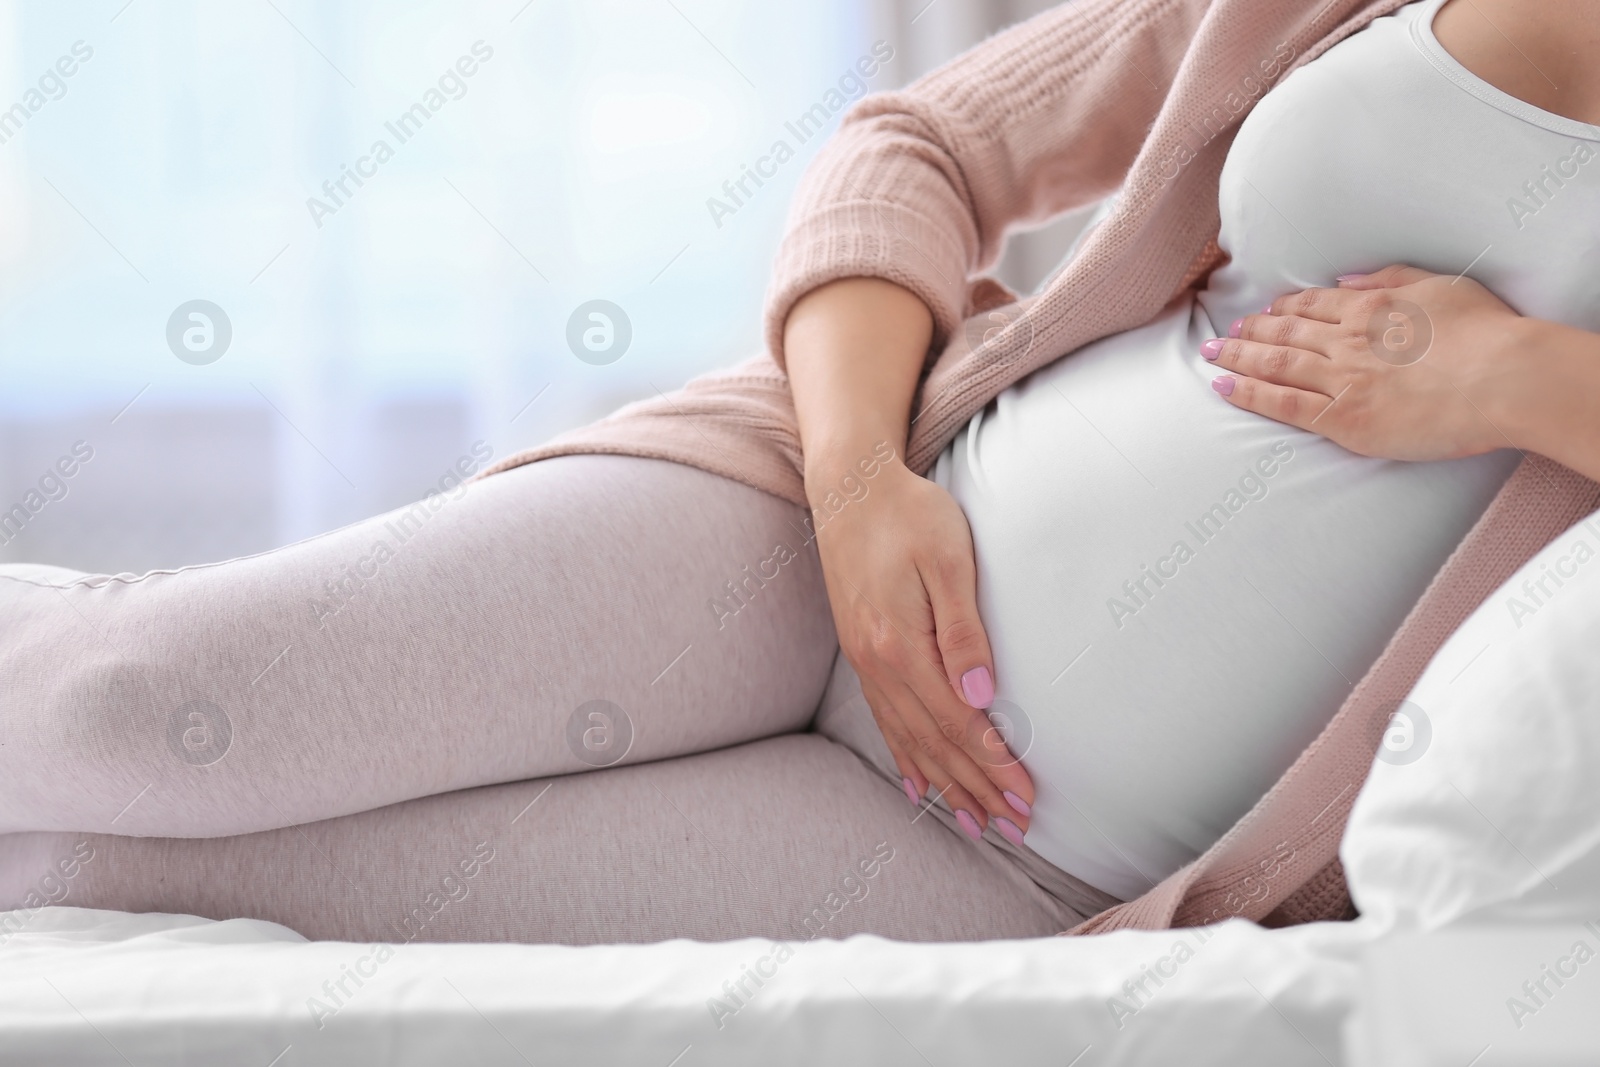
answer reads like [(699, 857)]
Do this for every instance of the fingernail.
[(1233, 331), (1008, 829), (969, 825), (1349, 277), (978, 687), (1223, 384), (1020, 806), (1212, 348), (1266, 310), (911, 792)]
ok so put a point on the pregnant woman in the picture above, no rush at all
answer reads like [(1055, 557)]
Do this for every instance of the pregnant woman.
[(1121, 658)]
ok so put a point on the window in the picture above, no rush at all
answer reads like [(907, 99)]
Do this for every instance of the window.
[(391, 213)]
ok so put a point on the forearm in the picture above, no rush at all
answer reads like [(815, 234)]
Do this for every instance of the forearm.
[(1546, 399), (900, 573), (855, 352), (923, 183)]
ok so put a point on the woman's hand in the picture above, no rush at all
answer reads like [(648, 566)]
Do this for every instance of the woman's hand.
[(902, 582), (1400, 364), (898, 560)]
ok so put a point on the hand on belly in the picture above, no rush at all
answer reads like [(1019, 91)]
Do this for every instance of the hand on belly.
[(1401, 364), (902, 583)]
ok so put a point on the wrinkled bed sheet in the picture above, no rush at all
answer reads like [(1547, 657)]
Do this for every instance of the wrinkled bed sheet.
[(93, 987)]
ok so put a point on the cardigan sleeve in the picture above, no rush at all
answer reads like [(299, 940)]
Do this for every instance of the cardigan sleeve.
[(919, 186)]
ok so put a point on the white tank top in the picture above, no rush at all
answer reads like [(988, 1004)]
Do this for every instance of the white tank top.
[(1180, 594)]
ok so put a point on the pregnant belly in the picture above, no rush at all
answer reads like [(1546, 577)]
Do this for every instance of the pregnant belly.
[(1180, 594)]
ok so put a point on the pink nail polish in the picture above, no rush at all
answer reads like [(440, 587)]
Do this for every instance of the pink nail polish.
[(1212, 348), (1008, 830), (1266, 310), (978, 687), (1022, 807), (1349, 277), (969, 825), (911, 792), (1223, 384), (1233, 331)]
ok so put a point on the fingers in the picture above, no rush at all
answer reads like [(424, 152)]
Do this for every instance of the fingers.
[(1290, 329), (1331, 304), (902, 662), (924, 660), (963, 740), (951, 747), (958, 800), (1284, 349), (1320, 305), (1297, 407), (952, 584), (901, 747), (923, 773), (945, 750), (1281, 364), (1391, 277)]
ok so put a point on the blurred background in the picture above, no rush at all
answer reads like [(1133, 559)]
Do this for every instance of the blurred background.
[(238, 321)]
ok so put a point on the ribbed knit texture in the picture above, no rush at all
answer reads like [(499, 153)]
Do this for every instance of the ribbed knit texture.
[(919, 187)]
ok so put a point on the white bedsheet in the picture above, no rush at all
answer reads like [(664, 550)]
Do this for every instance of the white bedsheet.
[(93, 987), (1494, 996)]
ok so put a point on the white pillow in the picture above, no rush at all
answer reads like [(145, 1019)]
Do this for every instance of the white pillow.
[(1484, 802)]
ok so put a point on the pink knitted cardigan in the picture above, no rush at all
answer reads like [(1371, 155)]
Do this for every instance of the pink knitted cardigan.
[(919, 187)]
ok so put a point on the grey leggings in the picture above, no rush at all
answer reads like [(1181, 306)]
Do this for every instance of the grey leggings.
[(590, 699)]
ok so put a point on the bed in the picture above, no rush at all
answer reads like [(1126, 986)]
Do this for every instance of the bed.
[(90, 987)]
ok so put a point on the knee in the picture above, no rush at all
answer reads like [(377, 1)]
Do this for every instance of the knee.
[(99, 712)]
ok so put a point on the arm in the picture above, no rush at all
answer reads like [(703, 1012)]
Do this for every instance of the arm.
[(1481, 376), (1548, 401), (910, 198), (858, 346), (919, 186), (898, 560)]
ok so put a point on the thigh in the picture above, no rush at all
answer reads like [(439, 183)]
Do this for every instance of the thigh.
[(579, 612), (788, 838)]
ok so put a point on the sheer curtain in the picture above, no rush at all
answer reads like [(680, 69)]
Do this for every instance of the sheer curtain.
[(270, 266), (393, 213)]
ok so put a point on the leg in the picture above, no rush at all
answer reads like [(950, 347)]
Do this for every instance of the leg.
[(788, 838), (453, 644)]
